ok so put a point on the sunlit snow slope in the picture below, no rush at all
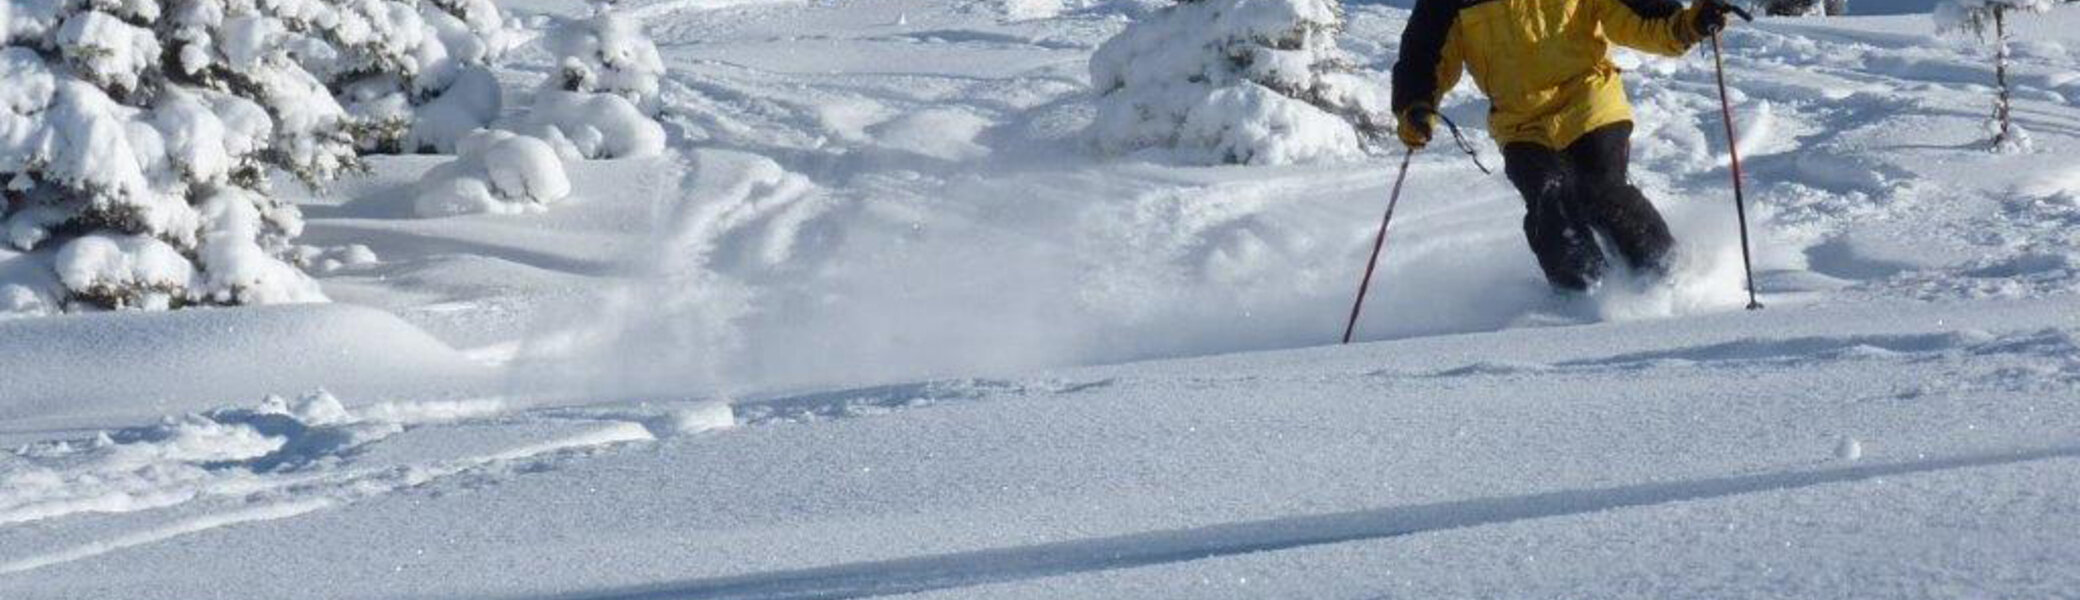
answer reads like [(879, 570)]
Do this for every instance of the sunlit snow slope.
[(963, 356)]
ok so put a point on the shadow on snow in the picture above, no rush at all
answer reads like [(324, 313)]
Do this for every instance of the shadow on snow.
[(962, 569)]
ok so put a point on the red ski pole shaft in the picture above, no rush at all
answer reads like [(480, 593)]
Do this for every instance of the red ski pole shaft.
[(1733, 151), (1377, 243)]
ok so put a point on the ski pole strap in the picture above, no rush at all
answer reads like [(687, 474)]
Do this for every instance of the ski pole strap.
[(1464, 145)]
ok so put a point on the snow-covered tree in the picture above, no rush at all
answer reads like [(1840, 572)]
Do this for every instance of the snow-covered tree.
[(607, 53), (1238, 81), (135, 141), (414, 73), (1978, 17), (601, 101)]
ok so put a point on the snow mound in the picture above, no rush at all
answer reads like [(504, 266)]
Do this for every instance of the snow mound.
[(1237, 81), (149, 364), (495, 172), (587, 126), (936, 133)]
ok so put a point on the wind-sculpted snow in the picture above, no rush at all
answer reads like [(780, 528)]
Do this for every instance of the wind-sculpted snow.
[(137, 367), (1091, 481), (867, 322)]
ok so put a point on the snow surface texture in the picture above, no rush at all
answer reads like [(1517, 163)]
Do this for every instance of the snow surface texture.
[(1257, 82), (361, 352), (878, 229)]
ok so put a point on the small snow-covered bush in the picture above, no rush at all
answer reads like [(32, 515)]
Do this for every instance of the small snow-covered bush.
[(584, 125), (494, 172), (1237, 81), (600, 101), (607, 53), (1977, 17), (135, 138)]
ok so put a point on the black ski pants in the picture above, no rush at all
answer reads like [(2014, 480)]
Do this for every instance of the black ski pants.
[(1571, 195)]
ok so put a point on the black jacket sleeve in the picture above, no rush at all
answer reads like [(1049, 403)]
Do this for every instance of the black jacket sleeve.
[(1417, 70)]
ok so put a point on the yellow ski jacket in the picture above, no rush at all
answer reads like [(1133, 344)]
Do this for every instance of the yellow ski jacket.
[(1544, 64)]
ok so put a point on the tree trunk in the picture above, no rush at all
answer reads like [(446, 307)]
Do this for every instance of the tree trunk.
[(2000, 72)]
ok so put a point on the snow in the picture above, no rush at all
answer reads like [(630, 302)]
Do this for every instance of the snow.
[(238, 268), (111, 53), (494, 171), (1249, 82), (869, 315), (187, 361), (607, 53), (1975, 15), (98, 262), (1262, 463), (473, 101), (1849, 448), (585, 125)]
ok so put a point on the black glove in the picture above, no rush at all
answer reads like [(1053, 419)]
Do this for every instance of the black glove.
[(1711, 17)]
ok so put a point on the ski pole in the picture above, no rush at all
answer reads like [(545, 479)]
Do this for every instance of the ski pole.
[(1733, 150), (1377, 243)]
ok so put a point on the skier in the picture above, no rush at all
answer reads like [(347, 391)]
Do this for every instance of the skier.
[(1559, 112)]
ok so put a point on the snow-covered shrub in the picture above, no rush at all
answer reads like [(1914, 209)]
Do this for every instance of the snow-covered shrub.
[(592, 125), (606, 53), (600, 101), (329, 260), (135, 138), (414, 73), (495, 172), (1977, 17), (1238, 81)]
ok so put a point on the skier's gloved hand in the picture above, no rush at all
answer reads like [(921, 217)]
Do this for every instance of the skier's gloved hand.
[(1416, 125), (1711, 17)]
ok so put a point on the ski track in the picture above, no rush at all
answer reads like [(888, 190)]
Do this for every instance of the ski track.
[(317, 473), (307, 490), (324, 487), (948, 571), (176, 529)]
